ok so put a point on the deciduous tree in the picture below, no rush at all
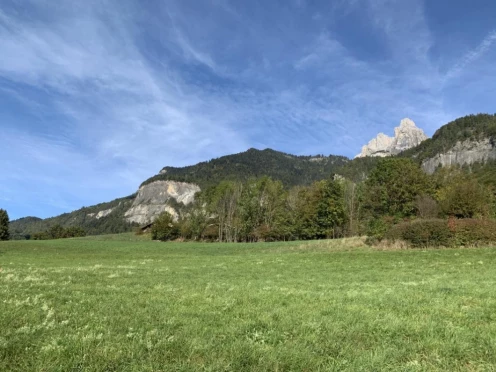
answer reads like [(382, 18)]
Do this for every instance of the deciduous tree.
[(393, 186)]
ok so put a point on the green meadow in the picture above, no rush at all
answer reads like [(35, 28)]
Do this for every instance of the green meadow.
[(120, 303)]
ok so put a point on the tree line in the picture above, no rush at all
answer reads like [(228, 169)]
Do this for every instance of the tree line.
[(59, 232), (262, 209)]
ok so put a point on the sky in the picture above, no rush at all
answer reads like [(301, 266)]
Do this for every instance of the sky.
[(97, 96)]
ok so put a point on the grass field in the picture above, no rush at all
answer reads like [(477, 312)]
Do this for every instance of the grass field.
[(121, 304)]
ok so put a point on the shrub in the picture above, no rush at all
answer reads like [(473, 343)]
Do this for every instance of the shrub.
[(74, 232), (466, 198), (164, 228), (438, 232), (211, 233), (422, 233), (473, 232), (378, 228)]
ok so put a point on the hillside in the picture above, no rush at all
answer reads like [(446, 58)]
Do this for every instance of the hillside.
[(471, 128), (103, 218), (291, 170)]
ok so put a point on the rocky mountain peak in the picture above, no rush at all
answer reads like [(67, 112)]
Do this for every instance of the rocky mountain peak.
[(406, 136)]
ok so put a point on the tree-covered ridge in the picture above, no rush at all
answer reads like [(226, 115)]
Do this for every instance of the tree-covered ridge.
[(83, 218), (358, 169), (291, 170), (471, 127)]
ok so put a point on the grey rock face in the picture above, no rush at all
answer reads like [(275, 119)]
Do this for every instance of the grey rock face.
[(152, 199), (406, 136), (100, 214), (103, 213), (466, 152)]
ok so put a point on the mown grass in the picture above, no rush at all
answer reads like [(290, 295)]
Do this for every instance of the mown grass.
[(110, 305)]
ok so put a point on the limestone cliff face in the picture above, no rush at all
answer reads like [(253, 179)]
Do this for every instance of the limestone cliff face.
[(101, 214), (466, 152), (153, 199), (406, 136)]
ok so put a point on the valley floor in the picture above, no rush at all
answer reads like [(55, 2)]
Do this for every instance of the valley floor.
[(110, 304)]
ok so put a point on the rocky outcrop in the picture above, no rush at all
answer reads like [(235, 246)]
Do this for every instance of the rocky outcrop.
[(466, 152), (100, 214), (406, 136), (154, 198), (379, 146), (104, 213)]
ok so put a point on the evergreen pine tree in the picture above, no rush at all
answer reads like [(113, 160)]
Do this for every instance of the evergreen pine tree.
[(4, 225)]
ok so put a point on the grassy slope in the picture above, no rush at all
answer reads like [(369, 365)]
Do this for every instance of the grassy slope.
[(139, 305)]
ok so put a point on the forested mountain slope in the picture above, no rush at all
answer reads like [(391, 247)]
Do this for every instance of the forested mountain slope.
[(103, 218), (291, 170)]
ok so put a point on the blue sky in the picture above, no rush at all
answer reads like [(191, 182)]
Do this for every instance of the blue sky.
[(96, 96)]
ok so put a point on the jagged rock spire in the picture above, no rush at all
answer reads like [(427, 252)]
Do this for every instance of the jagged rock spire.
[(406, 136)]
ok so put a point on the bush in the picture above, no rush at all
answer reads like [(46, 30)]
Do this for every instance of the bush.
[(473, 232), (378, 228), (422, 233), (442, 233), (164, 228), (74, 232)]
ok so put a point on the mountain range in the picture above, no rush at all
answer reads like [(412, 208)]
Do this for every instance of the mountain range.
[(468, 142)]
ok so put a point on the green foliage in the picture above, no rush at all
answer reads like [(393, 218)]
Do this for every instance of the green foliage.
[(463, 196), (473, 232), (393, 187), (454, 232), (4, 225), (262, 210), (197, 221), (485, 173), (378, 228), (74, 232), (164, 228), (56, 232), (59, 232), (330, 209), (291, 170), (422, 233), (357, 170)]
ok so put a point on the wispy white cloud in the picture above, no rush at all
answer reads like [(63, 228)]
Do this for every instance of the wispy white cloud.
[(126, 88), (472, 56), (190, 52), (126, 119)]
